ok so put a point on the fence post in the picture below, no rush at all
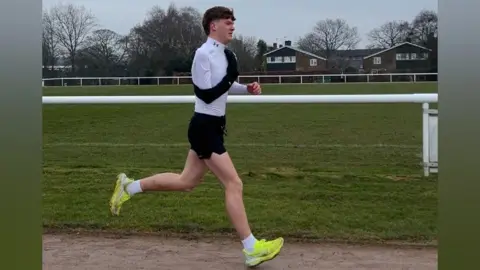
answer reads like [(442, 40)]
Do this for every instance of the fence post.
[(426, 143)]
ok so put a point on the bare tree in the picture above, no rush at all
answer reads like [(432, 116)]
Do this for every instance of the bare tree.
[(389, 34), (105, 44), (424, 25), (138, 53), (72, 26), (329, 36), (311, 43), (50, 50), (245, 48), (170, 38), (104, 50)]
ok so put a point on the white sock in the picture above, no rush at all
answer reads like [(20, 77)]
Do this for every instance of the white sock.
[(249, 242), (134, 188)]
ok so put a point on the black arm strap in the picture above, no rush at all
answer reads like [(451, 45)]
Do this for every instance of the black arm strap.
[(211, 94)]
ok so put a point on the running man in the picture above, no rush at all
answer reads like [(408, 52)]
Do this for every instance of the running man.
[(214, 71)]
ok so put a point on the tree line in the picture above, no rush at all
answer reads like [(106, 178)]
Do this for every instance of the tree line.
[(164, 43)]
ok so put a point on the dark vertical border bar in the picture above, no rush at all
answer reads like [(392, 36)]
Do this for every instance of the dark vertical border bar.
[(459, 134), (20, 134)]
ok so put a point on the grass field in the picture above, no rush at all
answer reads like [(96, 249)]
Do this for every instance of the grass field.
[(317, 171)]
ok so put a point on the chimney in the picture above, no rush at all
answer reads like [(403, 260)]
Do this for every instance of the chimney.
[(274, 45), (288, 43)]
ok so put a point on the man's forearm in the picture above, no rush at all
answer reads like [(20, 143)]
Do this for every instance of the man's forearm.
[(238, 89)]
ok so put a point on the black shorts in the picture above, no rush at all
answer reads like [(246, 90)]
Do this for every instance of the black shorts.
[(205, 134)]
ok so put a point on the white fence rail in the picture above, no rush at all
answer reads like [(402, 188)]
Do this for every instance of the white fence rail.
[(430, 117), (264, 79)]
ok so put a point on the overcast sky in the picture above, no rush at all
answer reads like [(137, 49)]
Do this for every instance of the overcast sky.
[(270, 20)]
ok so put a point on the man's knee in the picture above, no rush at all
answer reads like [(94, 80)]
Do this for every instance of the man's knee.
[(192, 184), (234, 184), (191, 180), (189, 184)]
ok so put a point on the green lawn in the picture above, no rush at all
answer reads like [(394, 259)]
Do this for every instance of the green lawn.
[(320, 171)]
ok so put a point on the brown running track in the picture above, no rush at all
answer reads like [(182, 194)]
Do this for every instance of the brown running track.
[(75, 252)]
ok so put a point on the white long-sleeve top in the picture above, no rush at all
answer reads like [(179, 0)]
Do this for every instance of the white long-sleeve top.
[(208, 69)]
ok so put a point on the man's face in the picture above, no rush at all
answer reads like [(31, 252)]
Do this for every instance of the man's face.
[(224, 29)]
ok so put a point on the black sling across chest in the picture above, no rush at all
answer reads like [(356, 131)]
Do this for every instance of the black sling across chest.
[(211, 94)]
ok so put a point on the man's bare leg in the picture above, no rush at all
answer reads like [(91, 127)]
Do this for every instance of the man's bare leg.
[(222, 167), (190, 177), (256, 252)]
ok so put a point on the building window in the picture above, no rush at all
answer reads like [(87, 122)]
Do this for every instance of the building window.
[(271, 59), (411, 56), (377, 60), (289, 59), (402, 56), (313, 62), (281, 59)]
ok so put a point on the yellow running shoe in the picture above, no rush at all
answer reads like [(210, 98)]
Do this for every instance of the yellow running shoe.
[(263, 251), (120, 194)]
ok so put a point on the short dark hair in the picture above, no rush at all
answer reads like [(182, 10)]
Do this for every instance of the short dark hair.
[(216, 13)]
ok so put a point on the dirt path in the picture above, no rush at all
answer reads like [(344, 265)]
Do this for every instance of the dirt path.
[(62, 252)]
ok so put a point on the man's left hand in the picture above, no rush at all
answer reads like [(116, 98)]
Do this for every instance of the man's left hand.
[(254, 88)]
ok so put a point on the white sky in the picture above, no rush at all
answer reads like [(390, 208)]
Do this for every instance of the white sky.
[(270, 20)]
